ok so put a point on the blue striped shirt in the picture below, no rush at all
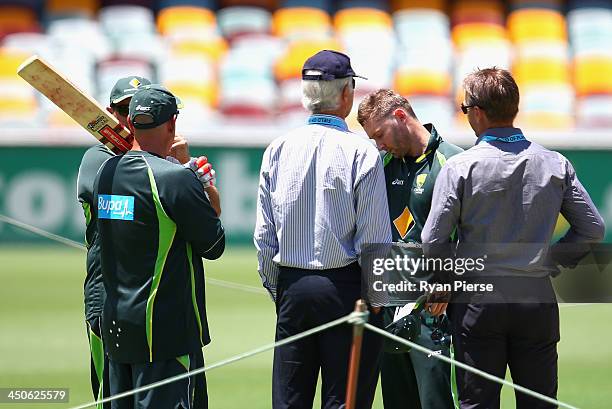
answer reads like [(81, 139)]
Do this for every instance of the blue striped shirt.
[(321, 198)]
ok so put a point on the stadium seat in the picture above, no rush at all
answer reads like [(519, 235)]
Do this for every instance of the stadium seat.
[(63, 8), (419, 71), (299, 23), (171, 20), (17, 100), (111, 69), (247, 85), (398, 5), (541, 67), (289, 65), (243, 20), (590, 32), (15, 19), (368, 38)]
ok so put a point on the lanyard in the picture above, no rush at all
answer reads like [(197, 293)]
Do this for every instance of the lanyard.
[(508, 139), (328, 120)]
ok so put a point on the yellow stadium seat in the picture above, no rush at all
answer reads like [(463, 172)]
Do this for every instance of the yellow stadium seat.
[(541, 71), (464, 34), (290, 65), (536, 24), (59, 119), (361, 17), (423, 83), (9, 62), (299, 19), (15, 18), (18, 107), (206, 93), (544, 121), (593, 75), (85, 7), (172, 19), (397, 5), (214, 48)]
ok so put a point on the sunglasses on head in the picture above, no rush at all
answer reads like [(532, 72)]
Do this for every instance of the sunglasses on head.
[(122, 110)]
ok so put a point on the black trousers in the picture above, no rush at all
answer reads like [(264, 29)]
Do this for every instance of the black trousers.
[(306, 299), (490, 334), (175, 395), (414, 380)]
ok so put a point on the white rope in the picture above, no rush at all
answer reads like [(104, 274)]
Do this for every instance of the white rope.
[(42, 232), (80, 246), (225, 362), (477, 371)]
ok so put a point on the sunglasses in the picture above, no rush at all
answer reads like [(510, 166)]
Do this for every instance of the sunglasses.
[(464, 108), (122, 110), (353, 82)]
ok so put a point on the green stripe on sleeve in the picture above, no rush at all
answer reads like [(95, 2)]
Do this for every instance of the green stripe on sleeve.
[(87, 213), (167, 230), (441, 158), (193, 291)]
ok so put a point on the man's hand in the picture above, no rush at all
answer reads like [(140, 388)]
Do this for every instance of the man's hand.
[(437, 302), (180, 149), (203, 170)]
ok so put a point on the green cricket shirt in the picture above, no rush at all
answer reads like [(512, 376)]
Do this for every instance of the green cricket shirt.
[(410, 182), (94, 294), (155, 223)]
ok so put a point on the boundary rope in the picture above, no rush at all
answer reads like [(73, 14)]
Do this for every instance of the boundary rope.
[(80, 246), (351, 317), (461, 365)]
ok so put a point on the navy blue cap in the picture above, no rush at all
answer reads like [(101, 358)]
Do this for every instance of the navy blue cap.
[(328, 65)]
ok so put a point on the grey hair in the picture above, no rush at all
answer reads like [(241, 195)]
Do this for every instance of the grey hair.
[(318, 96)]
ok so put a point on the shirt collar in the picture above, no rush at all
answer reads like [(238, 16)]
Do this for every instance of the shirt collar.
[(432, 144), (330, 121), (499, 133)]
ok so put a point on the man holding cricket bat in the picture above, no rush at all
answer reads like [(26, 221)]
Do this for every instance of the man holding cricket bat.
[(156, 219), (93, 159)]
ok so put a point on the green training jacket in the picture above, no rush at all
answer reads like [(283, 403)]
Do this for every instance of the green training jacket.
[(155, 224), (410, 182)]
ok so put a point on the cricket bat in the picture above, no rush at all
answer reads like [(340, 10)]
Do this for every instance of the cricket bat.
[(85, 110)]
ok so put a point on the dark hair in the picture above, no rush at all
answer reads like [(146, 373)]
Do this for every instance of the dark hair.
[(494, 91), (378, 104)]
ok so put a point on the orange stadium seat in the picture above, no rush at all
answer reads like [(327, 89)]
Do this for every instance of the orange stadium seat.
[(17, 19), (397, 5), (87, 8)]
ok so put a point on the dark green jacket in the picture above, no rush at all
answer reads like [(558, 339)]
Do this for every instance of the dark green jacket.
[(94, 294), (410, 183), (155, 224)]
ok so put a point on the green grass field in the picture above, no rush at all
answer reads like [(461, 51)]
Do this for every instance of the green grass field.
[(43, 341)]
